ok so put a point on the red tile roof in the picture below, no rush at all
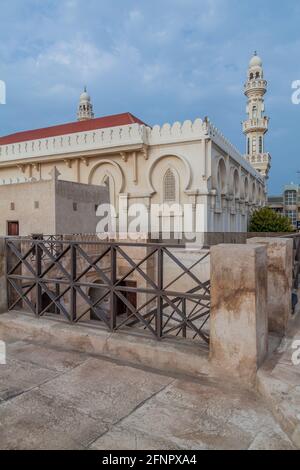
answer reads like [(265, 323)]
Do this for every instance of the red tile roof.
[(71, 128)]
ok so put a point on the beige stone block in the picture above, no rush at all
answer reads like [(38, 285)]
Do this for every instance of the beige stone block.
[(280, 272), (239, 327)]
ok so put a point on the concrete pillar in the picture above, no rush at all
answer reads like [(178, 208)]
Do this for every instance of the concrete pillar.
[(3, 289), (239, 325), (280, 279)]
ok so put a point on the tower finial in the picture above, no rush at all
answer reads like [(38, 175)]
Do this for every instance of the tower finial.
[(255, 52), (85, 107)]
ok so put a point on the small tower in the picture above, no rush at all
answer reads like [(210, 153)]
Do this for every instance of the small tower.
[(85, 107), (256, 126)]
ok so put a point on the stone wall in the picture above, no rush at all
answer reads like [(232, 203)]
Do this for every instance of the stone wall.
[(32, 204), (51, 206), (86, 198)]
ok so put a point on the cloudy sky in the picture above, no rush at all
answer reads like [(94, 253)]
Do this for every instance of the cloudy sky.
[(162, 60)]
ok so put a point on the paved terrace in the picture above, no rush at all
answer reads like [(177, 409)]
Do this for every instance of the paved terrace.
[(56, 399)]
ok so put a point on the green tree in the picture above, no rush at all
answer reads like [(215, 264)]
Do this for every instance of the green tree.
[(267, 220)]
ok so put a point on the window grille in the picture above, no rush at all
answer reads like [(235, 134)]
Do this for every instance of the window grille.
[(169, 187)]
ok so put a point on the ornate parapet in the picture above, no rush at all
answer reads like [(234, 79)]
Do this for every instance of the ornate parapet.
[(261, 162), (256, 124), (253, 85), (220, 140), (77, 142), (177, 132)]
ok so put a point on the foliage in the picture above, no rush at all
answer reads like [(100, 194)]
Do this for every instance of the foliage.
[(266, 219)]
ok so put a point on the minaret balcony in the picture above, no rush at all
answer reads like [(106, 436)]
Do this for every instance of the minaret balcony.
[(255, 84), (256, 124), (261, 162), (259, 158)]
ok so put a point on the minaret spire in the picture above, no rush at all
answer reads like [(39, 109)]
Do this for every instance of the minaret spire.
[(256, 126), (85, 107)]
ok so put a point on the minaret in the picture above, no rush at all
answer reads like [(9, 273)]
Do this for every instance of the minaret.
[(85, 107), (256, 126)]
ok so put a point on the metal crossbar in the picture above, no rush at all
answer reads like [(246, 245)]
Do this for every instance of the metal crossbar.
[(120, 285)]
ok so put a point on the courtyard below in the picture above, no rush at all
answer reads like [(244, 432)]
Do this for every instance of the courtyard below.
[(56, 399)]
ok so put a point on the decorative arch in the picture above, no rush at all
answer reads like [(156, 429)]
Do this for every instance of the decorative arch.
[(222, 177), (260, 195), (253, 192), (236, 183), (246, 188), (114, 165), (114, 176), (186, 178)]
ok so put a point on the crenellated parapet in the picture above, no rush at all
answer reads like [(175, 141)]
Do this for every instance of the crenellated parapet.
[(76, 142), (177, 132), (219, 139), (105, 138), (215, 134)]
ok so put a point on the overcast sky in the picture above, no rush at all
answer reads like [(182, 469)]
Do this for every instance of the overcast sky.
[(164, 61)]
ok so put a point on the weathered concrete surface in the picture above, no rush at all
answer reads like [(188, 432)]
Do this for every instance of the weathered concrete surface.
[(280, 272), (210, 418), (177, 355), (77, 402), (279, 381), (239, 324)]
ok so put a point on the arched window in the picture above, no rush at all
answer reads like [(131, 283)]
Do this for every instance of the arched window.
[(236, 183), (169, 186), (260, 145), (257, 75), (251, 76), (248, 146), (246, 189), (254, 112), (222, 177), (253, 192)]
